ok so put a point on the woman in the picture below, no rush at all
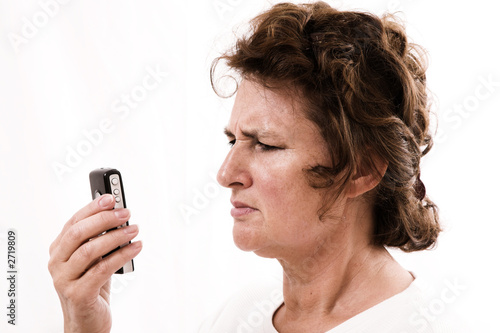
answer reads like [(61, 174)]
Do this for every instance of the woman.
[(327, 131)]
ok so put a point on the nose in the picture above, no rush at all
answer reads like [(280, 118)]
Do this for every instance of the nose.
[(234, 171)]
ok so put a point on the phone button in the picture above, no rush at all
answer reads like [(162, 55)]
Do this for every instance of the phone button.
[(116, 191), (118, 199), (114, 181)]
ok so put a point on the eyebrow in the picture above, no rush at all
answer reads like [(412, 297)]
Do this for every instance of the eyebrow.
[(254, 134)]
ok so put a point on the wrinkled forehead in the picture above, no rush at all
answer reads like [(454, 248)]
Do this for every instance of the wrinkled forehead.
[(261, 112), (255, 103)]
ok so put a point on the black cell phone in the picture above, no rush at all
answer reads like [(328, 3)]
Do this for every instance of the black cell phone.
[(108, 180)]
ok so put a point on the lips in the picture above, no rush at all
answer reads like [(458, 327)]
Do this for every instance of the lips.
[(241, 209)]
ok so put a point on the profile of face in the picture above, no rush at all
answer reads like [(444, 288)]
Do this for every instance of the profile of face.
[(273, 143)]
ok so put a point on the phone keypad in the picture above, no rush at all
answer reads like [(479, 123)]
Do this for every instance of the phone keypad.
[(116, 190)]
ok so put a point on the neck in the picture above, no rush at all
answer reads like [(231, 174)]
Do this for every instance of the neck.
[(340, 276)]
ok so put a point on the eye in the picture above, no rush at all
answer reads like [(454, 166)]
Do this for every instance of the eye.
[(265, 147), (231, 143)]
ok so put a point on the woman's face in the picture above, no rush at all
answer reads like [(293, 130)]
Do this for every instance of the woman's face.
[(275, 209)]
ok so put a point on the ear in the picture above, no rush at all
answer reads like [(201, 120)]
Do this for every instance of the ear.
[(367, 176)]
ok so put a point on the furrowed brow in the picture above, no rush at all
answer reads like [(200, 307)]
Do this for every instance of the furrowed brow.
[(228, 133), (253, 134)]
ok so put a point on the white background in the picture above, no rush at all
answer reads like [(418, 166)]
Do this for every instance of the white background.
[(69, 74)]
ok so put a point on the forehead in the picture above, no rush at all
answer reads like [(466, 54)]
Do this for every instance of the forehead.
[(265, 109)]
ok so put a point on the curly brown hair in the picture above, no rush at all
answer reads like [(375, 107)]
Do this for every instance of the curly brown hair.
[(364, 86)]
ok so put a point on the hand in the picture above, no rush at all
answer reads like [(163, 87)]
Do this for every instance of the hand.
[(81, 276)]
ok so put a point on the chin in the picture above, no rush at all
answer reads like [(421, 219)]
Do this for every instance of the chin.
[(264, 253), (243, 241), (249, 240), (246, 238)]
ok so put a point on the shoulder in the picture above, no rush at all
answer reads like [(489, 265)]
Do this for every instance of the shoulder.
[(414, 310), (422, 309), (432, 307), (250, 309)]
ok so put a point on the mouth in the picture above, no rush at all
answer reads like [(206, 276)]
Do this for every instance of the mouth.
[(241, 209)]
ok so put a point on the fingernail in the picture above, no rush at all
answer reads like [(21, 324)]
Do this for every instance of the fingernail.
[(105, 200), (122, 213), (131, 229), (136, 245)]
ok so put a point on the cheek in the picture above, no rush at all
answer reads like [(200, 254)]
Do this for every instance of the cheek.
[(289, 205)]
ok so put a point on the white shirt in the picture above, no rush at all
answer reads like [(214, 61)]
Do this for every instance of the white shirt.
[(252, 310)]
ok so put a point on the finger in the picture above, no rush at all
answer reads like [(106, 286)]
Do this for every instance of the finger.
[(90, 227), (104, 202), (100, 273), (85, 256)]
